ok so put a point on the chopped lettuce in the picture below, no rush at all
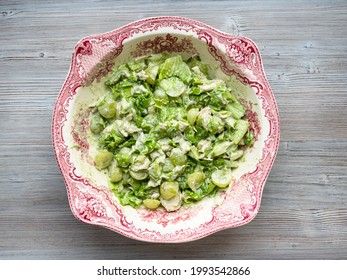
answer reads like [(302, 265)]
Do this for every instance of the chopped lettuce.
[(241, 129)]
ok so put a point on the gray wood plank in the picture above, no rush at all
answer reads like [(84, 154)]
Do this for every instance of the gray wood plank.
[(303, 213)]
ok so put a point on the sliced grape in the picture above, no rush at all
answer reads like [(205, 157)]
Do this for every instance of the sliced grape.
[(221, 177), (151, 203)]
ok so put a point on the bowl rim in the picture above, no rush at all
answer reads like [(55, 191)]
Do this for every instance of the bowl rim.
[(274, 106)]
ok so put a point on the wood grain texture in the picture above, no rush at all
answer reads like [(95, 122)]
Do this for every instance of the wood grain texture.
[(303, 213)]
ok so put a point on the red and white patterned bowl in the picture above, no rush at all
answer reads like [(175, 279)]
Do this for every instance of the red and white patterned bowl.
[(234, 58)]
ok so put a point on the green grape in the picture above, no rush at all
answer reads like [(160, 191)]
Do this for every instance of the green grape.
[(103, 159), (168, 190)]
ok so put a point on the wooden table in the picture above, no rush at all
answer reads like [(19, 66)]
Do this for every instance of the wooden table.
[(304, 48)]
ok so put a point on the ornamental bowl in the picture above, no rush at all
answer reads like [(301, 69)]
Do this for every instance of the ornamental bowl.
[(236, 59)]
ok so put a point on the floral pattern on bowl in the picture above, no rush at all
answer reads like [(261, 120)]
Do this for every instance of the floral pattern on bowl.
[(233, 58)]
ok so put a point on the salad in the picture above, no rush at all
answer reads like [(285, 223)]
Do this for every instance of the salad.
[(168, 134)]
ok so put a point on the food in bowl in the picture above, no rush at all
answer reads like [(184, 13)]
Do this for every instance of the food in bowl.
[(167, 133), (231, 58)]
